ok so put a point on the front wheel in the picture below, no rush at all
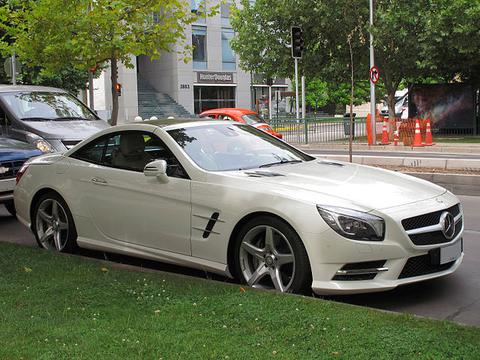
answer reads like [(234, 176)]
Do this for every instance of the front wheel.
[(53, 224), (270, 254)]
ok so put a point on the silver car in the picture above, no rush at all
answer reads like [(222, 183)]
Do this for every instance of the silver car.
[(48, 118)]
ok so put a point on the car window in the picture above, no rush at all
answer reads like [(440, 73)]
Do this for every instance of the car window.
[(130, 150), (227, 147), (46, 106), (252, 119), (225, 117)]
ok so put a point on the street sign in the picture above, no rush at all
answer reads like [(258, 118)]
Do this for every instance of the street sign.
[(374, 74), (7, 66)]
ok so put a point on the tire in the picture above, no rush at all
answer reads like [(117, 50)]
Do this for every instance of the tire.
[(268, 253), (54, 229), (10, 206)]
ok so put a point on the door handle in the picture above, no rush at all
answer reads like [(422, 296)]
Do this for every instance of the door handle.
[(99, 181)]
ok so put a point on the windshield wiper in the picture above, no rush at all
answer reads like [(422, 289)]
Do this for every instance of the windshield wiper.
[(37, 118), (71, 118), (281, 162)]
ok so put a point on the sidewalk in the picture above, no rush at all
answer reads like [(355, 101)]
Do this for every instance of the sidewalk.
[(450, 148)]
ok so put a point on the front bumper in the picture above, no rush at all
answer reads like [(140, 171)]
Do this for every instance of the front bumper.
[(6, 189), (398, 260)]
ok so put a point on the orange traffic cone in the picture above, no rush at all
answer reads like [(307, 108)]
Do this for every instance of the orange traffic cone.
[(428, 135), (395, 138), (384, 133), (417, 140)]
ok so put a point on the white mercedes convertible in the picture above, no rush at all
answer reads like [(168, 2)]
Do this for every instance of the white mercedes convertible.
[(230, 199)]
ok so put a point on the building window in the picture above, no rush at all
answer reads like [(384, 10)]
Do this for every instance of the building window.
[(213, 97), (225, 13), (197, 6), (228, 56), (199, 42)]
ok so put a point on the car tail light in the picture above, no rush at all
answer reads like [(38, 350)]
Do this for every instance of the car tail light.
[(20, 173)]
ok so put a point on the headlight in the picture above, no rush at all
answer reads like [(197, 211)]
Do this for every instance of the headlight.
[(353, 224), (40, 143)]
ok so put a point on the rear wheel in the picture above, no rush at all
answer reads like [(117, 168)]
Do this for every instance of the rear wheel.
[(53, 224), (270, 254), (10, 206)]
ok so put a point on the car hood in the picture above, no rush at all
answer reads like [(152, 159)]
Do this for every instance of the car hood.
[(324, 182), (16, 150), (68, 130)]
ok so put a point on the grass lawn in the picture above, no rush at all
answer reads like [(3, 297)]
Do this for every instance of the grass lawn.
[(63, 307)]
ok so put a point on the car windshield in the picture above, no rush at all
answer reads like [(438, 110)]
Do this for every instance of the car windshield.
[(223, 147), (252, 119), (46, 106)]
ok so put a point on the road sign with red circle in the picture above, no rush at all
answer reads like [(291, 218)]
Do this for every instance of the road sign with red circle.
[(374, 74)]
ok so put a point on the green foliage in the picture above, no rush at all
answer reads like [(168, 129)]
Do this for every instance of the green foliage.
[(316, 94), (71, 307), (83, 34)]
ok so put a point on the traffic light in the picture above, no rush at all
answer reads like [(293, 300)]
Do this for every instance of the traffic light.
[(118, 89), (297, 42)]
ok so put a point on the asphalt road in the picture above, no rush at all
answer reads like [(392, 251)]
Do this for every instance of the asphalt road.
[(455, 297)]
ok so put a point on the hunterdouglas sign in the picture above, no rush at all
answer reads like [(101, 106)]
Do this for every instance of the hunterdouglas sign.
[(214, 77)]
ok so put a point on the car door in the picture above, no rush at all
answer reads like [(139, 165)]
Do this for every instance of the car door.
[(124, 204)]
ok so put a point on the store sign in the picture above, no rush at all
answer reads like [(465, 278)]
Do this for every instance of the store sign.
[(214, 77)]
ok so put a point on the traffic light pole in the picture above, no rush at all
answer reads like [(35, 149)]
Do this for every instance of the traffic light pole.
[(297, 115), (373, 108)]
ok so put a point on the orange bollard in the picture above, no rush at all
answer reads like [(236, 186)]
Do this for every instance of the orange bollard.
[(395, 138), (417, 140), (384, 133), (428, 135)]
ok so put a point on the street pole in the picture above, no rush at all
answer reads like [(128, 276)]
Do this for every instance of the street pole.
[(303, 97), (373, 124), (296, 90), (14, 69), (90, 90), (270, 102)]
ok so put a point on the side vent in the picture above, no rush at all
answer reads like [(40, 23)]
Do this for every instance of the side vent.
[(211, 223)]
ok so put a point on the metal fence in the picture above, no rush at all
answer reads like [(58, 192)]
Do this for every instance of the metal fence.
[(319, 130)]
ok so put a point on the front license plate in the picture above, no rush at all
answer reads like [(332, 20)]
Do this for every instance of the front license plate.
[(450, 253)]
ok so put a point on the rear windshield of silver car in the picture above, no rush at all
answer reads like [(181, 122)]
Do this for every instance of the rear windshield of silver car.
[(225, 147), (46, 106)]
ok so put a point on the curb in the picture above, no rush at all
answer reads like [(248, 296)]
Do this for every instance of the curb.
[(450, 149), (459, 184)]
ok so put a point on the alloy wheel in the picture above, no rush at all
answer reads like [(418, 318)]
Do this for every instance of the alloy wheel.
[(52, 225), (267, 259)]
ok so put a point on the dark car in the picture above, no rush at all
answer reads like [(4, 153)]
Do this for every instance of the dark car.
[(48, 118), (13, 155)]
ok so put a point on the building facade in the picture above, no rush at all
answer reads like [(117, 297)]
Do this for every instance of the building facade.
[(170, 86)]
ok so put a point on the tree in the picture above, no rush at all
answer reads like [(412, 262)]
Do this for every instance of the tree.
[(86, 33), (451, 41), (398, 29), (316, 94)]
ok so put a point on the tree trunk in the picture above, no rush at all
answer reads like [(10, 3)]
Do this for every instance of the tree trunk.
[(352, 93), (392, 117), (114, 78)]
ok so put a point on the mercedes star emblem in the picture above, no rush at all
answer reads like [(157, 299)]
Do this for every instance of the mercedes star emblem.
[(447, 221)]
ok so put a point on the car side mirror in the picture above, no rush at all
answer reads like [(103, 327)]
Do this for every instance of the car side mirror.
[(157, 168)]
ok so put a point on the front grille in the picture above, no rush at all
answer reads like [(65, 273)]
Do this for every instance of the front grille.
[(435, 237), (428, 219), (359, 266), (9, 169), (421, 265)]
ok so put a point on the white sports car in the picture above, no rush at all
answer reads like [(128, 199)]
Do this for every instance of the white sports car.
[(228, 198)]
